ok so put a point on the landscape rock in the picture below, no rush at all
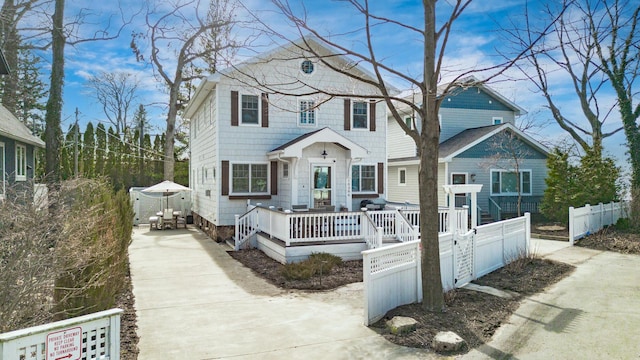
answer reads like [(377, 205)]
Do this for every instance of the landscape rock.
[(447, 341), (401, 325)]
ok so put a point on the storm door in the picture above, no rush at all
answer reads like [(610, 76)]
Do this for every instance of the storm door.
[(321, 192)]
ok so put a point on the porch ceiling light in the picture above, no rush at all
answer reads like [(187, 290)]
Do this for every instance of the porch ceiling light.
[(324, 152)]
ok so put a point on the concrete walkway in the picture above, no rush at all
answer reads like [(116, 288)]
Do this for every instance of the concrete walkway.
[(193, 301), (592, 314)]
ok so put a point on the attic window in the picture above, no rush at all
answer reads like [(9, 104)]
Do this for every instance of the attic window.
[(307, 67)]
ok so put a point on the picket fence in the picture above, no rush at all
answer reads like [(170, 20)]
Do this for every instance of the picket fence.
[(590, 219), (392, 274), (93, 336)]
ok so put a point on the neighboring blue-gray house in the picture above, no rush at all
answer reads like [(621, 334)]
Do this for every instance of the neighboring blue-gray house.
[(479, 144), (17, 152)]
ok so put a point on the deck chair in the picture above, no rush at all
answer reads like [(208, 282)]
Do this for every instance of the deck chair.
[(167, 218)]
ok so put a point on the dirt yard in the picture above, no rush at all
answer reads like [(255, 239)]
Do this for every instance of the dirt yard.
[(474, 316)]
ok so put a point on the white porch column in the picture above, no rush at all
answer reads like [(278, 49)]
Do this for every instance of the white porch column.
[(294, 181), (474, 210)]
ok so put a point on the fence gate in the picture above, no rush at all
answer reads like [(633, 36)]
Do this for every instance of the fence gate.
[(463, 258)]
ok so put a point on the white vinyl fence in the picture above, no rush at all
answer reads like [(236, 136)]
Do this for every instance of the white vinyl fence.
[(590, 219), (93, 336), (392, 273), (148, 204)]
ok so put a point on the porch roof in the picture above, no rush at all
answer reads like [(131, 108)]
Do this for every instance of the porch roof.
[(293, 148)]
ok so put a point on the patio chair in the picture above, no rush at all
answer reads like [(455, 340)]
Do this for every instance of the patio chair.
[(153, 222), (181, 220), (167, 218)]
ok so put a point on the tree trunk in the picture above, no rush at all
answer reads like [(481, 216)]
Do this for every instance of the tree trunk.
[(432, 293), (10, 51), (169, 143), (53, 132)]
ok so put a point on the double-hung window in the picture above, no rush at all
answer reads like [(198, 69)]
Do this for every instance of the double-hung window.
[(504, 182), (249, 178), (359, 115), (249, 109), (363, 178), (21, 163), (402, 176), (307, 113)]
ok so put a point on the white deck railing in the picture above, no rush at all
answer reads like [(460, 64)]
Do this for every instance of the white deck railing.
[(444, 225), (93, 336)]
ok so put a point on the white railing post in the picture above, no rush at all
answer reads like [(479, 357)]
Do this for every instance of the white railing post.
[(366, 280), (571, 225), (379, 232), (237, 230), (588, 206), (527, 229)]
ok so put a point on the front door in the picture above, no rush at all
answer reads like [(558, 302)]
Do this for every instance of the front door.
[(321, 192), (459, 179)]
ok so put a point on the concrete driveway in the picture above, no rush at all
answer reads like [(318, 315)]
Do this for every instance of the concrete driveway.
[(592, 314), (193, 301)]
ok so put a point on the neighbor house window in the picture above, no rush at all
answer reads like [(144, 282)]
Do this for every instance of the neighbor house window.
[(402, 176), (21, 163), (497, 120), (505, 182), (285, 171), (249, 178), (363, 178), (249, 109), (307, 113), (359, 115)]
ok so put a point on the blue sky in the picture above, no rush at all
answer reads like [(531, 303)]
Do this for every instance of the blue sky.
[(473, 44)]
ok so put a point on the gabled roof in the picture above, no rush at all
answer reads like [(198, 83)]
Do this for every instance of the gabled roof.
[(469, 138), (13, 128), (296, 49), (472, 81), (293, 148)]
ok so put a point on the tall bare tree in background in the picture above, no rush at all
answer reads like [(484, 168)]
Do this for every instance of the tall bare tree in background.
[(41, 25), (432, 36), (116, 93), (596, 45), (182, 43)]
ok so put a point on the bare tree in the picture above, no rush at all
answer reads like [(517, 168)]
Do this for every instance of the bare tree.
[(433, 37), (570, 51), (595, 44), (116, 92), (182, 44)]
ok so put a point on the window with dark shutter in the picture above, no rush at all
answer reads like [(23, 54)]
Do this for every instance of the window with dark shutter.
[(380, 178), (265, 110), (225, 178), (234, 108), (347, 114), (372, 116), (274, 178)]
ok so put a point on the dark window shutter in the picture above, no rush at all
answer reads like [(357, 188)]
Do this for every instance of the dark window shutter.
[(274, 178), (265, 110), (234, 108), (225, 178), (372, 116), (380, 178), (347, 114)]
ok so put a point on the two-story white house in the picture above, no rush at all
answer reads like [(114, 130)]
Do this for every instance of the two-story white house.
[(264, 132), (473, 123)]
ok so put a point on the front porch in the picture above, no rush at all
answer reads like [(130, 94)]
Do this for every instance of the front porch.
[(289, 236)]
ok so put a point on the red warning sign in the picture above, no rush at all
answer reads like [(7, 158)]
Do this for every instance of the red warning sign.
[(65, 344)]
